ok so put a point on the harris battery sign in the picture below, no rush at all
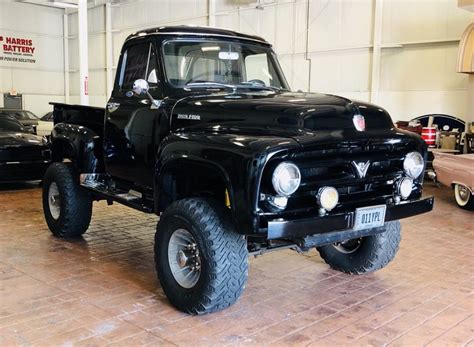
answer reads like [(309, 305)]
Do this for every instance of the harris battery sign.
[(17, 49)]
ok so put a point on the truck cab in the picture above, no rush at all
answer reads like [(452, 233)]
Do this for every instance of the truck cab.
[(203, 130)]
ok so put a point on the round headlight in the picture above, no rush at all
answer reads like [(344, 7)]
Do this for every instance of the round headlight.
[(328, 197), (413, 164), (286, 178), (404, 187)]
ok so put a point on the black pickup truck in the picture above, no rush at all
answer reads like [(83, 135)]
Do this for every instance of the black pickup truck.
[(203, 130)]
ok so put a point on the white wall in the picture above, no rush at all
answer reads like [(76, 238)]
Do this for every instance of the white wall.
[(335, 55), (421, 78), (42, 81)]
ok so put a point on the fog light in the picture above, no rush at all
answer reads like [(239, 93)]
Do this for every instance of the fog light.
[(328, 197), (404, 187)]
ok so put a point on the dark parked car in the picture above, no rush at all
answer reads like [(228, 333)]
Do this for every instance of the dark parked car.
[(203, 130), (27, 118), (23, 156)]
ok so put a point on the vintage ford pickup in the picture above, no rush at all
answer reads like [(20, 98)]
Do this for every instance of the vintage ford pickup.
[(203, 130)]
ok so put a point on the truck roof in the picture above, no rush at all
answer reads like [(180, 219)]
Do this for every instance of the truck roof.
[(192, 30)]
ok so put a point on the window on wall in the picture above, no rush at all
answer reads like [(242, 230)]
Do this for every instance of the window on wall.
[(139, 62)]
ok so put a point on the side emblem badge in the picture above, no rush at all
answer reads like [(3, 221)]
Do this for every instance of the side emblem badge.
[(361, 168), (359, 122)]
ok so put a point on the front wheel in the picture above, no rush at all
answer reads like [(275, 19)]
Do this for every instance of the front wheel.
[(67, 208), (201, 261), (463, 197), (365, 254)]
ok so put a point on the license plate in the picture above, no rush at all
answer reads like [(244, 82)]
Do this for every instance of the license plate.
[(369, 217)]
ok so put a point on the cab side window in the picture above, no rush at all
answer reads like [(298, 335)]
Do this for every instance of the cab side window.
[(152, 69), (139, 62)]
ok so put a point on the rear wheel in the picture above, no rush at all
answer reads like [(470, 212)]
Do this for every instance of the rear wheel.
[(201, 261), (67, 208), (365, 254), (463, 197)]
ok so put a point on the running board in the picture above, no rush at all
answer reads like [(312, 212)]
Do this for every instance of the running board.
[(101, 185)]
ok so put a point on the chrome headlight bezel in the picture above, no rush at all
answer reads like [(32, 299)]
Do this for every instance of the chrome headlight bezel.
[(413, 164), (286, 178)]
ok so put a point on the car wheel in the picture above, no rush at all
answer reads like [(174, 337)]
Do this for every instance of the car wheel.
[(201, 261), (464, 197), (67, 208), (365, 254)]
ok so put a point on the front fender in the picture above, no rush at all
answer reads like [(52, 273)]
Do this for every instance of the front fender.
[(238, 159), (176, 162)]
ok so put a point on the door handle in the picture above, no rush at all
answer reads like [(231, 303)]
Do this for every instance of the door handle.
[(112, 106)]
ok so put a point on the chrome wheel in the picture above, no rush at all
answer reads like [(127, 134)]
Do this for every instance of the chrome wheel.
[(462, 194), (184, 258), (54, 200), (348, 246)]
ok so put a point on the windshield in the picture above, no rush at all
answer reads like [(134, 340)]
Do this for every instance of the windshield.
[(48, 117), (20, 115), (9, 125), (228, 64)]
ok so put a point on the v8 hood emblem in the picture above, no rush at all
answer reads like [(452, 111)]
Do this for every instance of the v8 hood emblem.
[(361, 167)]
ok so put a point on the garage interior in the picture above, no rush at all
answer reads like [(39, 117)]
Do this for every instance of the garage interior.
[(413, 58)]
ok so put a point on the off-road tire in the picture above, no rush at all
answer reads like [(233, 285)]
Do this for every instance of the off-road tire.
[(75, 204), (466, 203), (223, 253), (374, 252)]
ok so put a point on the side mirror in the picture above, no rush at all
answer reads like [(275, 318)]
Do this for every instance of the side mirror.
[(140, 87)]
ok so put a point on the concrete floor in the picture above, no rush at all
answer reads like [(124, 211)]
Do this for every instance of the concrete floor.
[(103, 289)]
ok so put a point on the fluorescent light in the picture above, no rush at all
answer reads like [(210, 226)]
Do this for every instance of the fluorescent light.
[(210, 48), (64, 4)]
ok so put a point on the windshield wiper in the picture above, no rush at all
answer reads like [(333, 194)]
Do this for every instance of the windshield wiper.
[(210, 84), (259, 86), (232, 86)]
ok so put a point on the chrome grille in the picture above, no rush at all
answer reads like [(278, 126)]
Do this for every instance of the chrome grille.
[(331, 165)]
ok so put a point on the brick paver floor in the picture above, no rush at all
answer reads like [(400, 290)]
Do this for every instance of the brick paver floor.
[(103, 289)]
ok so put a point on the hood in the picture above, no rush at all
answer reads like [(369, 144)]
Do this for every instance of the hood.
[(20, 139), (301, 116)]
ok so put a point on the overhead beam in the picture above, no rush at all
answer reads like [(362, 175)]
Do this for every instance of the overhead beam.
[(55, 4)]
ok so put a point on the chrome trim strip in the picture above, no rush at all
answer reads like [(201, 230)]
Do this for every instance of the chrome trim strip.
[(26, 162)]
